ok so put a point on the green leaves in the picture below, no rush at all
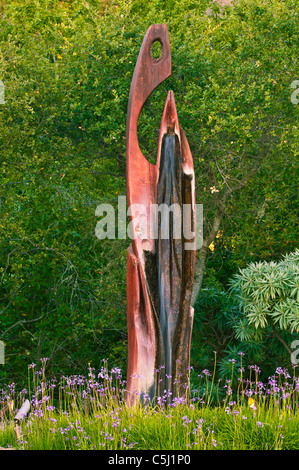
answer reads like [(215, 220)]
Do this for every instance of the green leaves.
[(286, 315), (269, 292)]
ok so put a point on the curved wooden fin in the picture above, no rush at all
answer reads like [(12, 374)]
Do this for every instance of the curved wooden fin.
[(148, 74)]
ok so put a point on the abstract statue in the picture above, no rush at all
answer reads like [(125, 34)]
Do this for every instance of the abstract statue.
[(160, 270)]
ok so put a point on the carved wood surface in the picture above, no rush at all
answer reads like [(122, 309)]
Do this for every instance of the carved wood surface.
[(160, 270)]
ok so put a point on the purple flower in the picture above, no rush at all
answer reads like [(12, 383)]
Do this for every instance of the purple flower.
[(12, 387), (255, 368), (186, 420), (281, 371)]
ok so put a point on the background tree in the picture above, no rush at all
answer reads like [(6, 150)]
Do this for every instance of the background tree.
[(67, 69)]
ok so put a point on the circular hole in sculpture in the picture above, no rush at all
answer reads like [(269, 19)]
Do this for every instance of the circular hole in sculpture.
[(156, 50)]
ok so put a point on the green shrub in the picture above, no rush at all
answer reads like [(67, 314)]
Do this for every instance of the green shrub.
[(268, 295)]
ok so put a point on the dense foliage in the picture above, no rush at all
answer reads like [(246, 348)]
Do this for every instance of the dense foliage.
[(268, 294), (67, 68)]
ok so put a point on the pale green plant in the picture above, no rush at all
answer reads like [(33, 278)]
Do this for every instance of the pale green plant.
[(268, 294)]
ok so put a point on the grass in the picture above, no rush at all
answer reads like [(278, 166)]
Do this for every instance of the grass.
[(90, 413)]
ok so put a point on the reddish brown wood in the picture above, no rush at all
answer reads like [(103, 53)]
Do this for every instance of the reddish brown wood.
[(158, 310)]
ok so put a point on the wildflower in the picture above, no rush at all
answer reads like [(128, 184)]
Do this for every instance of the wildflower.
[(255, 368), (178, 401), (252, 403), (12, 387), (279, 371), (186, 419), (45, 398), (259, 424), (132, 444), (260, 386), (146, 397), (199, 422), (213, 189)]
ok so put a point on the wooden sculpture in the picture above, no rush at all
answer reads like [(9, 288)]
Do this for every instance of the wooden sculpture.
[(159, 270)]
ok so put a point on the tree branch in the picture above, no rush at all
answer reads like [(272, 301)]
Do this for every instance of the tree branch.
[(221, 203), (277, 335)]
